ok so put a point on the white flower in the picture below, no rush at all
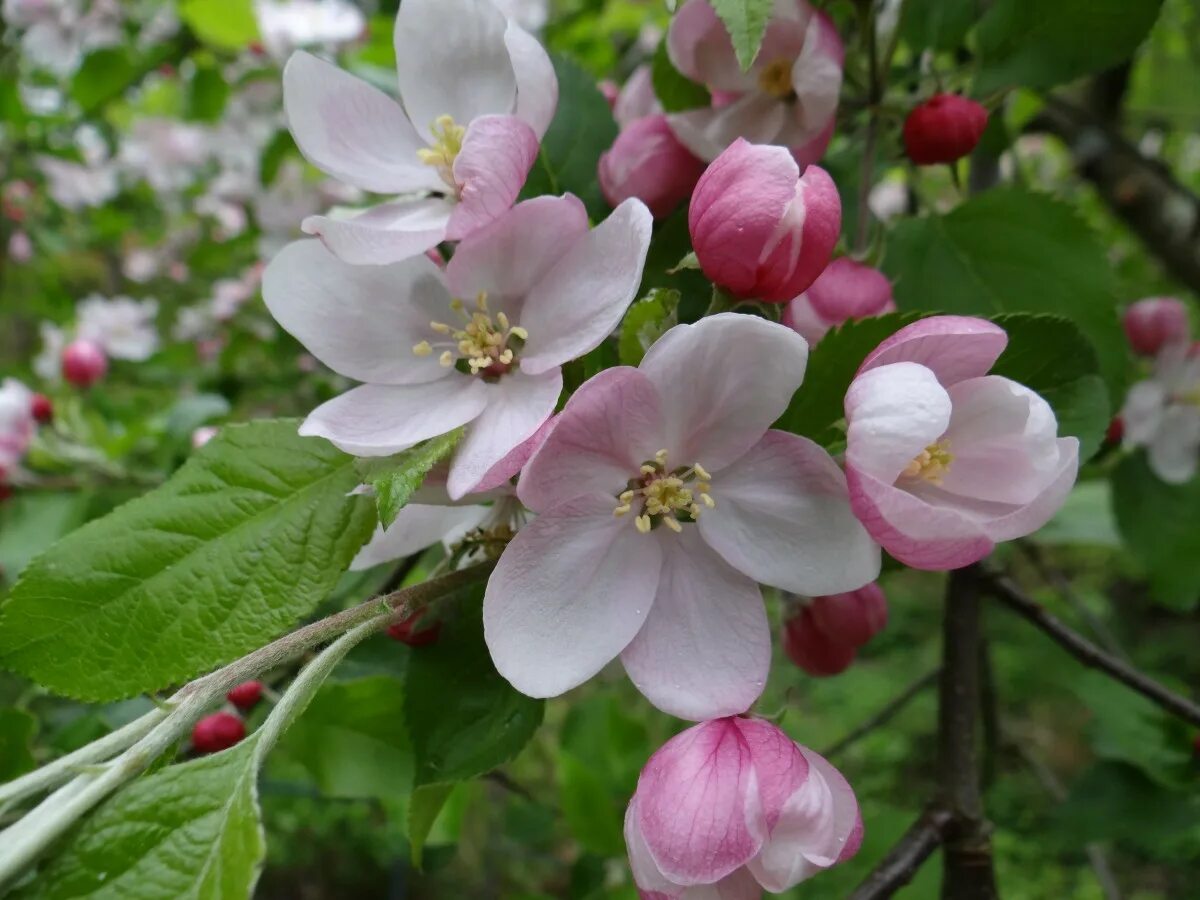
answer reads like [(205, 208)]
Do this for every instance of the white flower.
[(123, 327), (1162, 414), (47, 365), (164, 152), (16, 423), (291, 24)]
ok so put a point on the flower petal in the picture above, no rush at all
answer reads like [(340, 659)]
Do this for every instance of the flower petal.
[(700, 48), (569, 593), (1174, 450), (351, 130), (361, 321), (779, 766), (723, 381), (451, 60), (417, 527), (645, 871), (499, 475), (1041, 510), (537, 84), (893, 413), (387, 233), (783, 517), (953, 347), (517, 406), (705, 649), (757, 117), (379, 420), (490, 170), (579, 302), (609, 427)]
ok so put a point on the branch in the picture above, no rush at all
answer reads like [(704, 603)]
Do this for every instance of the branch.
[(885, 715), (1003, 589), (905, 859)]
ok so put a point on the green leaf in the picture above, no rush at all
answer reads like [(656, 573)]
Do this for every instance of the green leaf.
[(463, 717), (937, 24), (277, 150), (245, 539), (1048, 354), (207, 93), (395, 478), (352, 739), (104, 74), (190, 412), (674, 90), (746, 21), (17, 728), (1009, 250), (224, 24), (31, 522), (423, 810), (189, 830), (590, 807), (582, 129), (818, 405), (647, 320), (1040, 44), (1158, 522)]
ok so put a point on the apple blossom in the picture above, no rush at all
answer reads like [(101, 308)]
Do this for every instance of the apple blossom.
[(760, 229), (476, 95), (529, 14), (944, 460), (17, 423), (164, 152), (84, 362), (661, 499), (287, 25), (788, 97), (480, 345), (1162, 414), (824, 634), (75, 185), (47, 365), (1154, 322), (122, 327), (944, 128), (846, 290), (733, 806), (57, 33)]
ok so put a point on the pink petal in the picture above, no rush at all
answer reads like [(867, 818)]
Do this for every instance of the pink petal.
[(813, 150), (637, 99), (800, 316), (379, 420), (537, 85), (700, 48), (817, 80), (705, 648), (755, 117), (569, 593), (491, 168), (609, 427), (954, 347), (723, 381), (387, 233), (517, 406), (1041, 509), (501, 473), (351, 130), (417, 527), (580, 301), (649, 880), (783, 517), (780, 767)]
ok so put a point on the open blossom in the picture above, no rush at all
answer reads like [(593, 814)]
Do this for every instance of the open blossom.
[(1162, 414), (17, 424), (480, 344), (944, 460), (165, 152), (662, 499), (57, 33), (122, 327), (75, 185), (762, 230), (733, 806), (846, 290), (824, 634), (476, 95), (287, 25), (788, 97)]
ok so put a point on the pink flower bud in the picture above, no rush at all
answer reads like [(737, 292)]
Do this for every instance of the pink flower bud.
[(736, 804), (245, 695), (1153, 323), (813, 651), (647, 161), (944, 128), (824, 637), (84, 363), (845, 290), (42, 408), (760, 229), (216, 732)]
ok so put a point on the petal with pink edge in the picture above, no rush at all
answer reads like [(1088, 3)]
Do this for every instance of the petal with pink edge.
[(758, 118), (779, 765), (1037, 513), (416, 527), (387, 233), (783, 518), (723, 381), (608, 428), (700, 48), (452, 60), (379, 420), (361, 321), (517, 406), (490, 170), (351, 130), (579, 302), (499, 475), (705, 649), (645, 872), (569, 593), (954, 347), (537, 84)]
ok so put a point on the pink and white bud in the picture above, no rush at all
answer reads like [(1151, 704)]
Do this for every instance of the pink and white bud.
[(20, 247), (846, 290), (733, 806), (760, 229), (944, 460), (84, 363), (648, 162), (824, 636), (17, 423), (1153, 323)]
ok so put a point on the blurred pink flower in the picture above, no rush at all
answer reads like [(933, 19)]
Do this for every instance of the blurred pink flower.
[(1154, 322), (845, 290)]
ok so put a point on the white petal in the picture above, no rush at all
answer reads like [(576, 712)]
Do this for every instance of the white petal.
[(1175, 450), (386, 233), (417, 527), (537, 85), (893, 413), (757, 117)]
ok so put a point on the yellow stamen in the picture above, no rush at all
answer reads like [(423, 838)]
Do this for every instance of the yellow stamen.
[(931, 464), (673, 496), (446, 359), (447, 144), (422, 349), (775, 78), (643, 524)]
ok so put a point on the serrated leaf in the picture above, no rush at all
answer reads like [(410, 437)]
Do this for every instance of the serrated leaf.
[(394, 479), (190, 830), (463, 717), (225, 24), (746, 21), (647, 320), (423, 810), (245, 539), (674, 90)]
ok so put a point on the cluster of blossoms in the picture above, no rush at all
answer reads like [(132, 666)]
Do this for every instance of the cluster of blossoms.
[(104, 329), (639, 518)]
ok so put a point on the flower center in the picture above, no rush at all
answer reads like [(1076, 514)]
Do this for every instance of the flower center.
[(775, 78), (666, 496), (447, 144), (931, 464), (484, 344)]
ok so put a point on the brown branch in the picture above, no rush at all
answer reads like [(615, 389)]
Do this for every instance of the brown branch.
[(1092, 656), (885, 715), (904, 860)]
